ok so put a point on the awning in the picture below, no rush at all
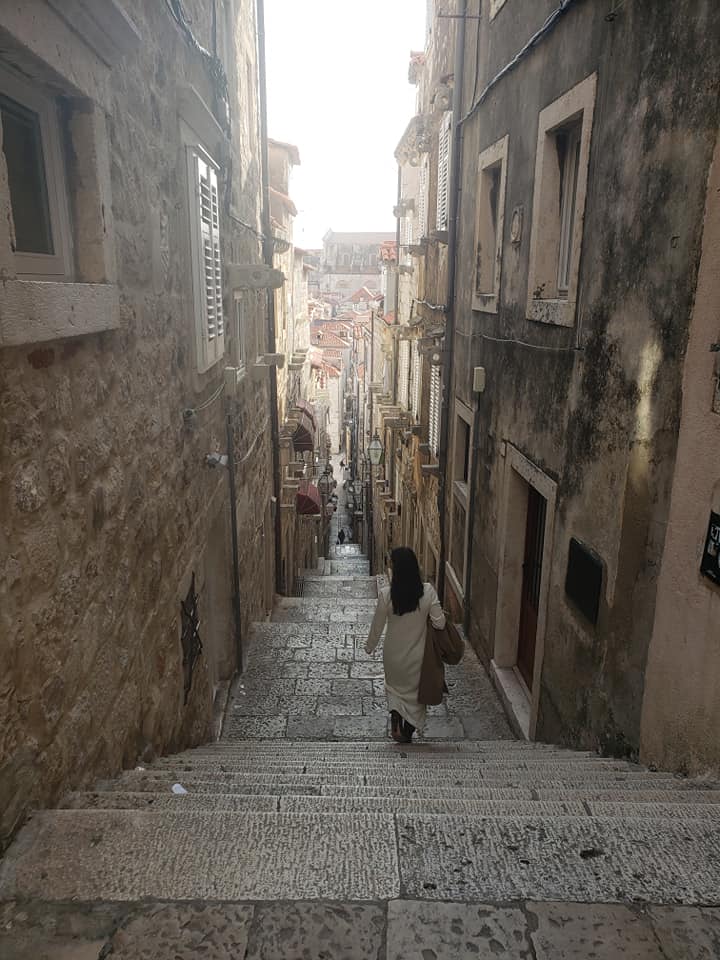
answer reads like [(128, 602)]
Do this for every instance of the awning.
[(308, 499), (302, 438), (304, 405)]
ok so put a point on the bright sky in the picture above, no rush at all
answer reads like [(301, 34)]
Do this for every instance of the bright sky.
[(338, 89)]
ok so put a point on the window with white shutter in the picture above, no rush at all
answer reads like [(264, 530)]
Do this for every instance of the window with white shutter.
[(403, 372), (406, 239), (434, 413), (415, 378), (207, 266), (422, 200), (444, 142)]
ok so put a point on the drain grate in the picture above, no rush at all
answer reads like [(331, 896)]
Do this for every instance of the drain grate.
[(299, 588)]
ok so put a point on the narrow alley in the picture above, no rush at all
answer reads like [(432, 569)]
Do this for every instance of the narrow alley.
[(304, 833), (323, 315)]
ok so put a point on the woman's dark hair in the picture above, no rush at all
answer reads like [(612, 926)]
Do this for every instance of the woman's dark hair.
[(406, 588)]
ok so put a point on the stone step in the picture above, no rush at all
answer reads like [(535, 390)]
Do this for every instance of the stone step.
[(467, 765), (611, 792), (176, 854), (367, 786), (402, 781), (304, 803)]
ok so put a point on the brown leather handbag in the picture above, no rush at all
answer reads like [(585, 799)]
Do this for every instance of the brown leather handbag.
[(441, 647)]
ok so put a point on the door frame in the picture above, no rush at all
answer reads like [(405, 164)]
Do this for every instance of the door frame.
[(519, 473)]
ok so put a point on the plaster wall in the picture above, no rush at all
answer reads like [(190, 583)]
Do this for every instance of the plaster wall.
[(681, 707), (594, 406)]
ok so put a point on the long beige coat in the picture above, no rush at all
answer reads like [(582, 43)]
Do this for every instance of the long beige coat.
[(404, 649)]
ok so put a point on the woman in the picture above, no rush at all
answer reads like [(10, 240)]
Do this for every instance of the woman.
[(405, 605)]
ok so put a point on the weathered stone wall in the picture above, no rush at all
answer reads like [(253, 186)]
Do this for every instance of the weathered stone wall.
[(597, 408), (106, 506)]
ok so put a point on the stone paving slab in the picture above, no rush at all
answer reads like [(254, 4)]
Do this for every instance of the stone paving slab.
[(566, 859), (128, 855), (322, 930), (607, 932), (453, 931), (317, 931)]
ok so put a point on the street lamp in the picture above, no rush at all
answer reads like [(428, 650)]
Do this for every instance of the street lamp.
[(375, 450)]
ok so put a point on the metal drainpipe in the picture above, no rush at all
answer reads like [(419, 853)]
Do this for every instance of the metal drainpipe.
[(268, 251), (234, 537), (450, 298), (471, 515)]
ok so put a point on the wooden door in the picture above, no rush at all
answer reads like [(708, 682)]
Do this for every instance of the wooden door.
[(532, 573)]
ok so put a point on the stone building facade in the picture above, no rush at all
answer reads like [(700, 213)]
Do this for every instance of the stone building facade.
[(132, 311), (580, 418)]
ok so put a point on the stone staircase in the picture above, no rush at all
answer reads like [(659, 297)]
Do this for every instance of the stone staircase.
[(305, 832)]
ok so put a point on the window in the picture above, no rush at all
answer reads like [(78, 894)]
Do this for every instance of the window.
[(492, 165), (434, 410), (462, 451), (403, 372), (567, 144), (561, 170), (415, 380), (444, 147), (461, 466), (31, 145), (240, 333), (206, 264), (406, 239), (422, 199)]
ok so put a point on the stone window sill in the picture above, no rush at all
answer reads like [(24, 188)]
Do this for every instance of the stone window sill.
[(34, 311), (485, 303), (560, 313)]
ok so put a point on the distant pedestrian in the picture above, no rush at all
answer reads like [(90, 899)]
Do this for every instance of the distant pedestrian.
[(341, 536), (405, 606)]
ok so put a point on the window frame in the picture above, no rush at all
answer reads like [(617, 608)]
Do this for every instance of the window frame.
[(546, 303), (462, 467), (494, 157), (434, 408), (209, 350), (404, 372), (442, 206), (495, 7), (43, 266)]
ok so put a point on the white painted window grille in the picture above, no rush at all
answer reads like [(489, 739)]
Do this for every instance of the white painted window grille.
[(422, 199), (444, 148), (31, 143), (434, 413), (415, 380), (207, 266), (403, 372)]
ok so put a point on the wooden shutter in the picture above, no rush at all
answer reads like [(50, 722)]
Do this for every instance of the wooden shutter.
[(422, 200), (415, 376), (441, 221), (403, 372), (434, 417), (207, 266)]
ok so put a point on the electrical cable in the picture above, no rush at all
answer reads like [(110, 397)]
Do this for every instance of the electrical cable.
[(520, 343), (251, 448), (546, 28), (191, 411)]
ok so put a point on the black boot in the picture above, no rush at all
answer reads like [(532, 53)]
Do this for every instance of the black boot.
[(407, 732), (396, 726)]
